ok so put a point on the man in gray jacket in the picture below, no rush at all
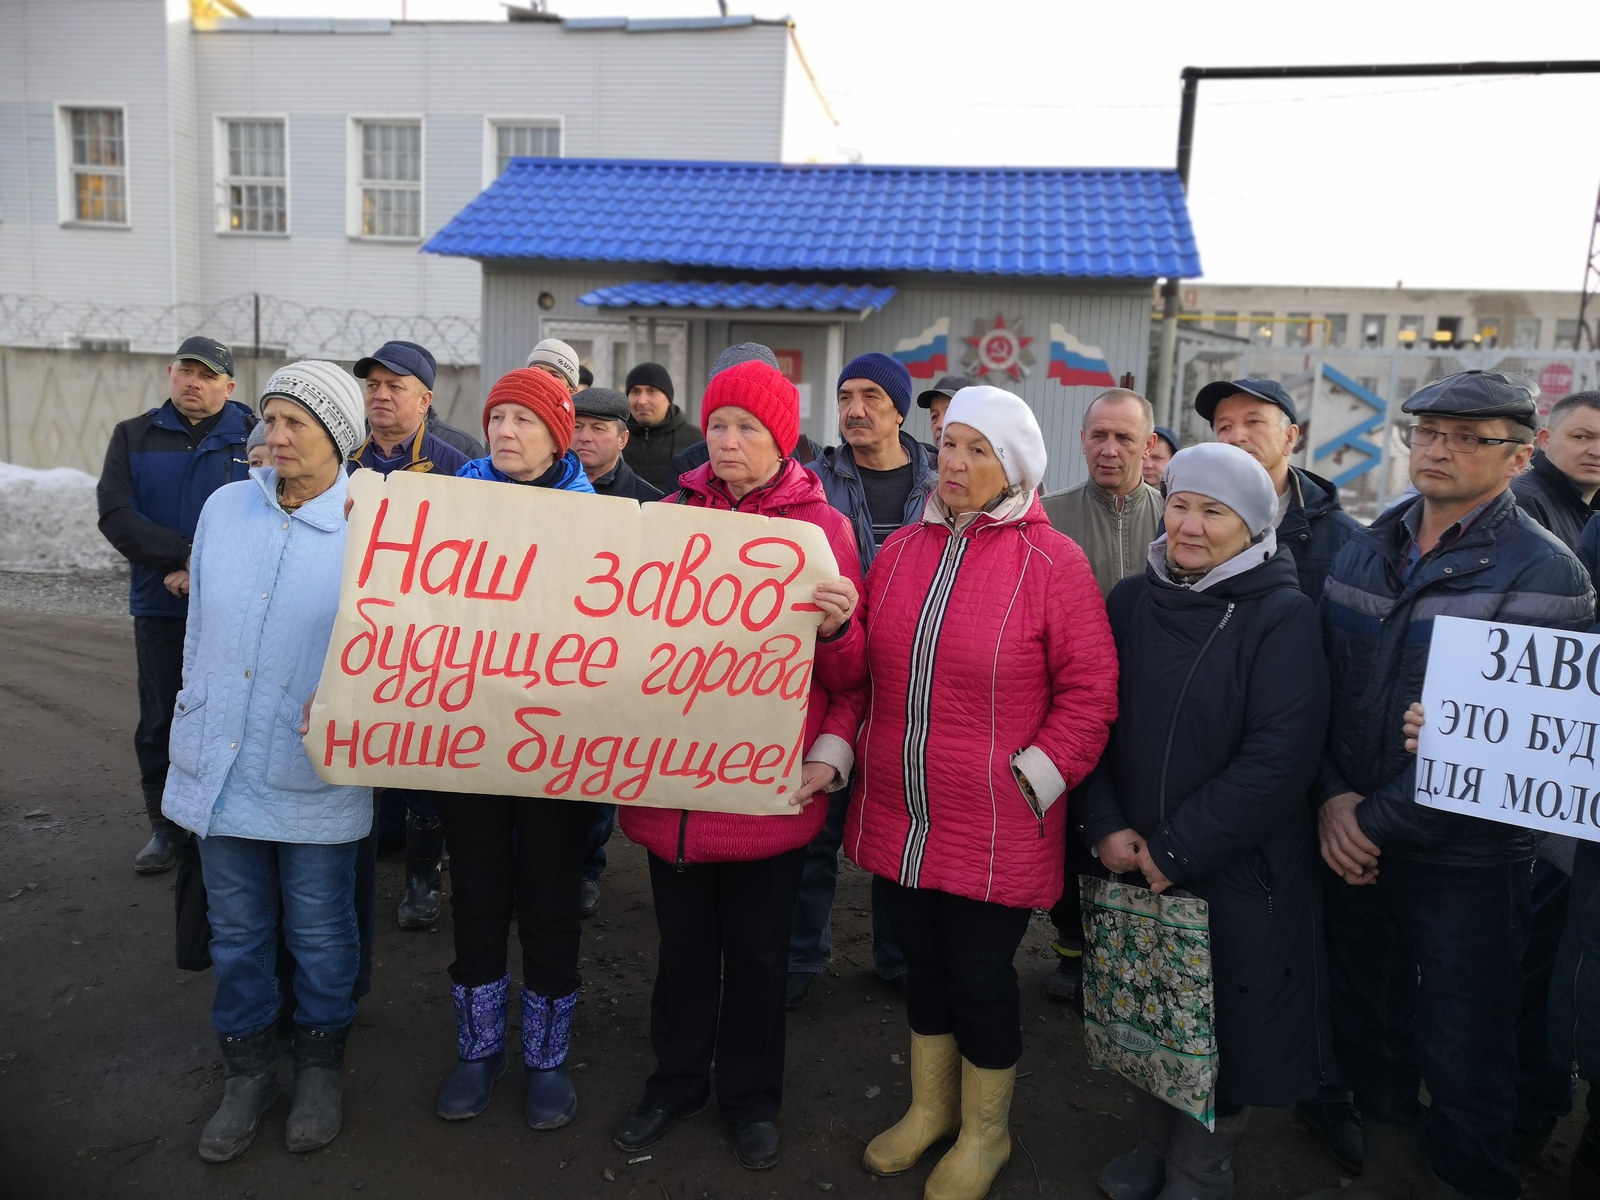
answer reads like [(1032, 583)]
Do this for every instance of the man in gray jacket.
[(1114, 515)]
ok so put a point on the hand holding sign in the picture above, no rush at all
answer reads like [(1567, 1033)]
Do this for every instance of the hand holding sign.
[(1513, 712), (524, 641)]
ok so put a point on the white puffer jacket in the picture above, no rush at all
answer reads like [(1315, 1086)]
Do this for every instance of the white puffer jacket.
[(263, 593)]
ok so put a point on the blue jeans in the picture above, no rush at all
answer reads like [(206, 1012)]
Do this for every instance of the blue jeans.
[(246, 883), (594, 863), (1425, 967), (811, 935)]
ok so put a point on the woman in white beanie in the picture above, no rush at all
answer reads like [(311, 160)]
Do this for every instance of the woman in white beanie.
[(263, 591), (1224, 703), (993, 685)]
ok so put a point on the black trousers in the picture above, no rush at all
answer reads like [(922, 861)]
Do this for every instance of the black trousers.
[(721, 971), (158, 647), (959, 976), (1067, 915), (534, 874)]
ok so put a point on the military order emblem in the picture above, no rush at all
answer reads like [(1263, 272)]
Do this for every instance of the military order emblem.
[(998, 352)]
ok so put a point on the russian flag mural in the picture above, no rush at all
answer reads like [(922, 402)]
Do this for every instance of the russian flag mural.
[(928, 354), (1072, 364)]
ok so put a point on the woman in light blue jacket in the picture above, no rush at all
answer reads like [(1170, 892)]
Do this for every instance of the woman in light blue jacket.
[(263, 592)]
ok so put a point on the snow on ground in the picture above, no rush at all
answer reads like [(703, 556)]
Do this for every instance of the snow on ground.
[(48, 522)]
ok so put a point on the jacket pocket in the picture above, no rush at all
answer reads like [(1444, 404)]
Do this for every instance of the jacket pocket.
[(289, 767), (186, 742)]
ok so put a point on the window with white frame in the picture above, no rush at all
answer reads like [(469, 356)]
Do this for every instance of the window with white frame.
[(256, 179), (391, 179), (524, 139), (97, 163)]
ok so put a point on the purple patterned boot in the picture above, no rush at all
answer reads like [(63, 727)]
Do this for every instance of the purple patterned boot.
[(546, 1026), (481, 1032)]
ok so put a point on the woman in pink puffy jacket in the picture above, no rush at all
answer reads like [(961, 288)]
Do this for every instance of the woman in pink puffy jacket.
[(725, 883), (993, 687)]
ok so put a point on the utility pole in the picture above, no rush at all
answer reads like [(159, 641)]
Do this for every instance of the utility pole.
[(1166, 398), (1591, 285)]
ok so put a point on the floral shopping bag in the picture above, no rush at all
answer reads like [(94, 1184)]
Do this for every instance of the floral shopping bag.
[(1148, 1011)]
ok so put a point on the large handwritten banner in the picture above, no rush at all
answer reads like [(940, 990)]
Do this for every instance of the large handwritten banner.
[(1511, 719), (520, 641)]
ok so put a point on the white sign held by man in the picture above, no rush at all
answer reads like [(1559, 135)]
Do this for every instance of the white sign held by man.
[(1512, 712)]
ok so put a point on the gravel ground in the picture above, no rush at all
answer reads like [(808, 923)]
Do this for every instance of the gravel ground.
[(90, 594)]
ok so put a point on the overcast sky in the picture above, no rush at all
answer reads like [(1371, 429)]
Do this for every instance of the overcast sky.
[(1448, 183)]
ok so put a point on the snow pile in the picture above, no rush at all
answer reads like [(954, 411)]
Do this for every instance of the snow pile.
[(48, 522)]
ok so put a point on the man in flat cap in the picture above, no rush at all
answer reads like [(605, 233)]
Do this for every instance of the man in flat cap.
[(1259, 417), (937, 398), (1427, 916), (599, 436), (160, 469)]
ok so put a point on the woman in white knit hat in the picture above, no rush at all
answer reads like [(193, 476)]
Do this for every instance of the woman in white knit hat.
[(1224, 704), (993, 685), (263, 592)]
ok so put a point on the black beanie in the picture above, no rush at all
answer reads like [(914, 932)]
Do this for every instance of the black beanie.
[(650, 375)]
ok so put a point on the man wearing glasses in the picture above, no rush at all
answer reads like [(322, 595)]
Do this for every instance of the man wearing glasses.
[(1428, 913)]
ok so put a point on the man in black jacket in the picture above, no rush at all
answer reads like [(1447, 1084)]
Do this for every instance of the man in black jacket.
[(657, 429), (1427, 920), (1559, 489), (1259, 417), (160, 469)]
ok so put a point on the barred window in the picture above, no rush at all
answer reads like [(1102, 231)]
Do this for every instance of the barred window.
[(391, 180), (99, 165), (257, 180), (530, 140)]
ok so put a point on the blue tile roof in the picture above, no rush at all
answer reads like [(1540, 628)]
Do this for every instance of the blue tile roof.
[(796, 297), (1117, 224)]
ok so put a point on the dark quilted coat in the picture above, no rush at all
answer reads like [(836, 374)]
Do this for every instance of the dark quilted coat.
[(1224, 708), (680, 836), (1014, 652)]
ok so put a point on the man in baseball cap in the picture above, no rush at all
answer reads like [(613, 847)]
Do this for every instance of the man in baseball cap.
[(1259, 417), (937, 398), (159, 470)]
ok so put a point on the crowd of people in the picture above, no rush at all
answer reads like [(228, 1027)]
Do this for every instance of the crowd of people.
[(1194, 672)]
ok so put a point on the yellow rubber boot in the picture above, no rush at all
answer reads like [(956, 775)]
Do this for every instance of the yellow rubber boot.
[(968, 1170), (935, 1110)]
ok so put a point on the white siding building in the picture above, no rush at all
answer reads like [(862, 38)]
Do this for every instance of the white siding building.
[(272, 181)]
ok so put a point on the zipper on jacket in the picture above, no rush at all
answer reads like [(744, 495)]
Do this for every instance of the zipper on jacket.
[(683, 832), (1038, 813), (1172, 730)]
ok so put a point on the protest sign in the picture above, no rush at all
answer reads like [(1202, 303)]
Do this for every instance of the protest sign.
[(522, 641), (1510, 732)]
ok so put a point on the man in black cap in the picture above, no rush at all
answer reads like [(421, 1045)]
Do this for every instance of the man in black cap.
[(160, 469), (657, 428), (1259, 417), (937, 398), (599, 437), (399, 377), (1159, 455), (1427, 919)]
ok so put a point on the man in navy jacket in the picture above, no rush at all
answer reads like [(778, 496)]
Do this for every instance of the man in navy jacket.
[(1428, 918), (160, 469)]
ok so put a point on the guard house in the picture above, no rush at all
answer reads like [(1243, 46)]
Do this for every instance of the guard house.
[(1034, 279)]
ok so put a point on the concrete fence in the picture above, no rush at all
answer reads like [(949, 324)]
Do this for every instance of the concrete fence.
[(58, 407)]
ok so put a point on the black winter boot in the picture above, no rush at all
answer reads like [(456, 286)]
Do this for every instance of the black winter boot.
[(1200, 1161), (419, 908), (316, 1115), (160, 853), (250, 1073)]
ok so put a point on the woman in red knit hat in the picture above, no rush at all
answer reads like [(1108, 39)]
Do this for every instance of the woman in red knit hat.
[(521, 854), (725, 884)]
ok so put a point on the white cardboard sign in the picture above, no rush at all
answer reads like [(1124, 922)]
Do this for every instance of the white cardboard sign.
[(1512, 712)]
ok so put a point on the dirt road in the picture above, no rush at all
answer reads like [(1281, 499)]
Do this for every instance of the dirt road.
[(108, 1066)]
